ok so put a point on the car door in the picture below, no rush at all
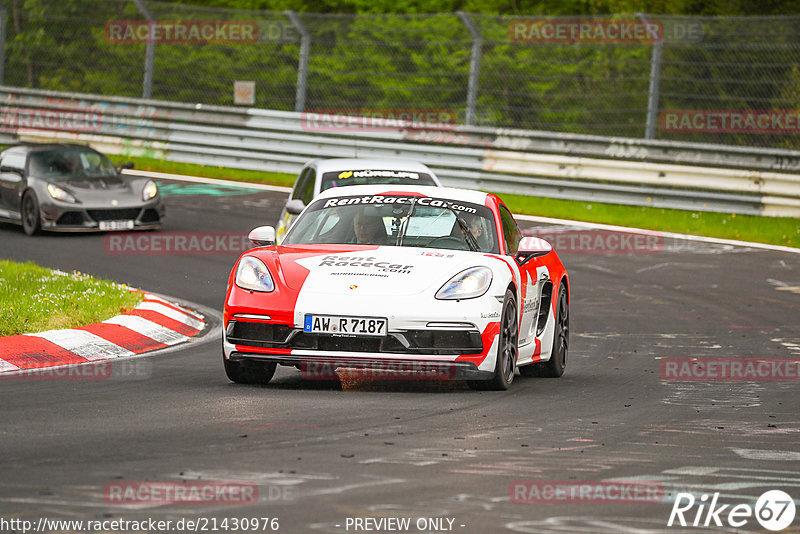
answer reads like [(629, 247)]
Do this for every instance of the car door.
[(532, 276), (12, 183)]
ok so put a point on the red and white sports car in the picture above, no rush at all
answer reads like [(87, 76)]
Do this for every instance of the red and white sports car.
[(407, 277)]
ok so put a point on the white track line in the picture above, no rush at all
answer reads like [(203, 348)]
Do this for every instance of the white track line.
[(201, 180), (172, 314), (686, 237), (5, 366), (148, 328), (151, 296), (84, 344)]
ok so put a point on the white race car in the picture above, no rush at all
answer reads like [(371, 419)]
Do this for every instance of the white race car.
[(399, 277), (322, 174)]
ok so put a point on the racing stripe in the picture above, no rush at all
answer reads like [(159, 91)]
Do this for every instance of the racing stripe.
[(147, 328), (124, 337), (489, 338), (31, 352), (84, 344), (537, 352)]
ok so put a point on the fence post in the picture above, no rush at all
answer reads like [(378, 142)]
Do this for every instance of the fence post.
[(2, 42), (149, 53), (655, 81), (474, 65), (302, 67)]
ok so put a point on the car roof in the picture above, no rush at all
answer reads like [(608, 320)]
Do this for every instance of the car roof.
[(39, 147), (450, 193), (358, 164)]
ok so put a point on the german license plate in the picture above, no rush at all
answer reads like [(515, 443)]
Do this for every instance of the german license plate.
[(354, 326), (116, 225)]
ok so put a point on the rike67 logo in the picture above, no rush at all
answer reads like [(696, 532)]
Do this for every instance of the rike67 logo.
[(774, 511)]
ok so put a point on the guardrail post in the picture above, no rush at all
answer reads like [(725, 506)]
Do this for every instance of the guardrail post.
[(149, 53), (2, 42), (474, 65), (302, 67), (655, 81)]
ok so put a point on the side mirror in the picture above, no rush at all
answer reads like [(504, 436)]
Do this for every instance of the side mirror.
[(126, 165), (10, 175), (263, 236), (295, 206), (532, 247)]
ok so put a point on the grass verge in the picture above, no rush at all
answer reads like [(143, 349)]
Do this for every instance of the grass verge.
[(35, 299), (773, 230)]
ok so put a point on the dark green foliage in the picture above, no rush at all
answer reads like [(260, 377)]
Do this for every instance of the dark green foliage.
[(420, 62)]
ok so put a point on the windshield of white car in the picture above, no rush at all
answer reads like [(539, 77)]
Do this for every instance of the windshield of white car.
[(374, 176), (64, 164), (381, 219)]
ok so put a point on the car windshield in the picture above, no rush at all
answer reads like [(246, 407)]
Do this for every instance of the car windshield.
[(69, 163), (396, 220), (369, 176)]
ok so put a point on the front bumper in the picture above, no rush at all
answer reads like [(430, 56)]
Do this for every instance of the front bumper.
[(323, 366), (454, 353), (64, 217), (462, 348)]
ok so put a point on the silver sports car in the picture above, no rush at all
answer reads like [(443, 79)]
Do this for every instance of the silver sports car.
[(73, 188)]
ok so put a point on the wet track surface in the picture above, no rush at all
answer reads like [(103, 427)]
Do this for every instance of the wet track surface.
[(321, 454)]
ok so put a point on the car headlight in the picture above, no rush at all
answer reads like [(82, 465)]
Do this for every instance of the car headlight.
[(253, 275), (468, 284), (150, 190), (59, 194)]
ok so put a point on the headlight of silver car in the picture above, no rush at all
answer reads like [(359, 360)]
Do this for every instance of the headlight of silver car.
[(59, 194), (150, 190), (468, 284), (253, 275)]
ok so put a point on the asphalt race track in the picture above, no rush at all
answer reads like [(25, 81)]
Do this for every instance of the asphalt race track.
[(322, 454)]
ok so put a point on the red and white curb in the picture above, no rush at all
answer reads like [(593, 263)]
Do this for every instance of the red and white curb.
[(154, 324)]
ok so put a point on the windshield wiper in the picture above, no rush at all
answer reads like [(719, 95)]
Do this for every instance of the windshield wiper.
[(404, 228), (468, 237)]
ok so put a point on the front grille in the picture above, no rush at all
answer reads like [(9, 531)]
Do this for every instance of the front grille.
[(460, 341), (70, 218), (256, 334), (441, 342), (149, 216), (114, 215)]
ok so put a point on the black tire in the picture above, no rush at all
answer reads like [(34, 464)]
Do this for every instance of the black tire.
[(250, 373), (557, 364), (31, 219), (507, 349)]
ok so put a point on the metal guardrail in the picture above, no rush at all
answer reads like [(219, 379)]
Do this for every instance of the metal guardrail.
[(579, 167)]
